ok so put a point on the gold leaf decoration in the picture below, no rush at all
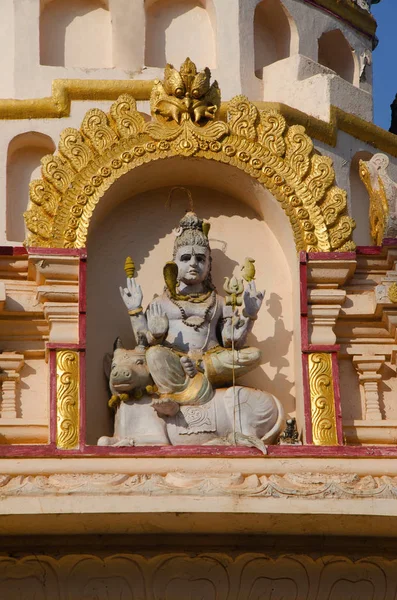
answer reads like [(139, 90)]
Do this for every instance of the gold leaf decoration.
[(67, 368), (334, 204), (392, 293), (322, 400), (55, 170), (72, 147), (299, 148), (96, 128), (129, 122), (243, 117), (379, 206), (257, 142), (272, 127)]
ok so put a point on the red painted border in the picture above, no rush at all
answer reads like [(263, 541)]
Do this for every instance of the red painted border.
[(306, 400), (13, 251), (79, 252), (54, 346), (338, 406), (317, 348), (53, 396), (331, 256), (82, 399), (303, 284), (287, 451), (369, 250), (390, 242)]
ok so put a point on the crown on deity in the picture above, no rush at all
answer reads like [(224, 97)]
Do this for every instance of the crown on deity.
[(190, 221)]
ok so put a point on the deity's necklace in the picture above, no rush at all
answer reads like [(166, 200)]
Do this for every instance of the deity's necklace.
[(195, 321)]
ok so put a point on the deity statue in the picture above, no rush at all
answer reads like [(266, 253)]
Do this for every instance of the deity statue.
[(177, 386), (196, 341)]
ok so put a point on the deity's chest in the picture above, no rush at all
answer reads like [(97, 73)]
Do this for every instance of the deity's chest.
[(183, 309)]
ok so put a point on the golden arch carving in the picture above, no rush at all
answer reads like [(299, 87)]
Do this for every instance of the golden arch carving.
[(259, 143)]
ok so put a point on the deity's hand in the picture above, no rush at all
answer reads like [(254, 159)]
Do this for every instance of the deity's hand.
[(252, 300), (132, 295), (157, 320)]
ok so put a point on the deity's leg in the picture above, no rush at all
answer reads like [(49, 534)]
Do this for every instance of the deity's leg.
[(219, 364), (174, 386)]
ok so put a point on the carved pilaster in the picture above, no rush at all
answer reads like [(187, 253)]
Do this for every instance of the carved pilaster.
[(368, 368), (11, 364), (323, 312), (57, 280), (325, 298)]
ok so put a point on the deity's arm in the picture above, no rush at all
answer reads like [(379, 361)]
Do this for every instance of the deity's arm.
[(237, 327), (132, 297)]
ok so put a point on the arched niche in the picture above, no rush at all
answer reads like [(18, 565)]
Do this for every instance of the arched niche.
[(75, 33), (360, 201), (169, 37), (335, 53), (275, 34), (246, 220), (24, 154)]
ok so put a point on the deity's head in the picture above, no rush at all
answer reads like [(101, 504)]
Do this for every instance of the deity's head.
[(192, 252)]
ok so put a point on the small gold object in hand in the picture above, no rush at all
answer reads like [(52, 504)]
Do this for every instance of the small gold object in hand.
[(129, 267)]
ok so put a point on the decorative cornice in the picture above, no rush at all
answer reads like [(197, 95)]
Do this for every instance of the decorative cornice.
[(307, 486), (349, 11), (64, 91)]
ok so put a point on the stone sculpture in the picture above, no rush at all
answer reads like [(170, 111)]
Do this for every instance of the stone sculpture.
[(190, 348)]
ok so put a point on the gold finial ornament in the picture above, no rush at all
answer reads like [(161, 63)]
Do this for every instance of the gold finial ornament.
[(248, 269), (129, 267)]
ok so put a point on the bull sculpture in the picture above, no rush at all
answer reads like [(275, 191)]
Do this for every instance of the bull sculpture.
[(232, 416)]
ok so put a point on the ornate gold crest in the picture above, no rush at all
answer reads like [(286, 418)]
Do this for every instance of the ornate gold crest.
[(185, 123)]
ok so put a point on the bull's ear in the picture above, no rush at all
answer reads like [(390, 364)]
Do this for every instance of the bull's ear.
[(107, 364), (117, 344)]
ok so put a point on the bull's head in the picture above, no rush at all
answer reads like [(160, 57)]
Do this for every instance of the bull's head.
[(128, 372)]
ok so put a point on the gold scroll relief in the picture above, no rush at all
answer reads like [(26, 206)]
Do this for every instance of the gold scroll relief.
[(322, 400), (260, 143), (67, 389)]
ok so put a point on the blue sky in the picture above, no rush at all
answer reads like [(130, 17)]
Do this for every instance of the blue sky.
[(385, 61)]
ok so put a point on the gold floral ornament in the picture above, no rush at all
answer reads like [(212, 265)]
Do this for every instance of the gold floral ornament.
[(185, 123)]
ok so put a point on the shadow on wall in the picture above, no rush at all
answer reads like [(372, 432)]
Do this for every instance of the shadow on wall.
[(359, 201), (142, 227), (169, 27), (335, 53), (277, 383), (275, 35), (24, 154), (76, 33)]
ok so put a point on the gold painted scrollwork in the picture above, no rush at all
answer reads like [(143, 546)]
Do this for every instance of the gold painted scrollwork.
[(322, 400), (378, 204), (184, 109), (67, 402)]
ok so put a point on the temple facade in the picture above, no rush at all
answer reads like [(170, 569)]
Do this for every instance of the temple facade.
[(198, 303)]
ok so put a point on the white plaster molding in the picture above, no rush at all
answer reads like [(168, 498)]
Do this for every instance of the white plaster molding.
[(368, 367), (308, 486), (11, 364), (57, 291)]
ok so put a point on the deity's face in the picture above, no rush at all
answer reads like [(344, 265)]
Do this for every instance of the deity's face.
[(193, 264)]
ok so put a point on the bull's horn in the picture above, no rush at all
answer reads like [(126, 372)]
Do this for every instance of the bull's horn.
[(117, 343)]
